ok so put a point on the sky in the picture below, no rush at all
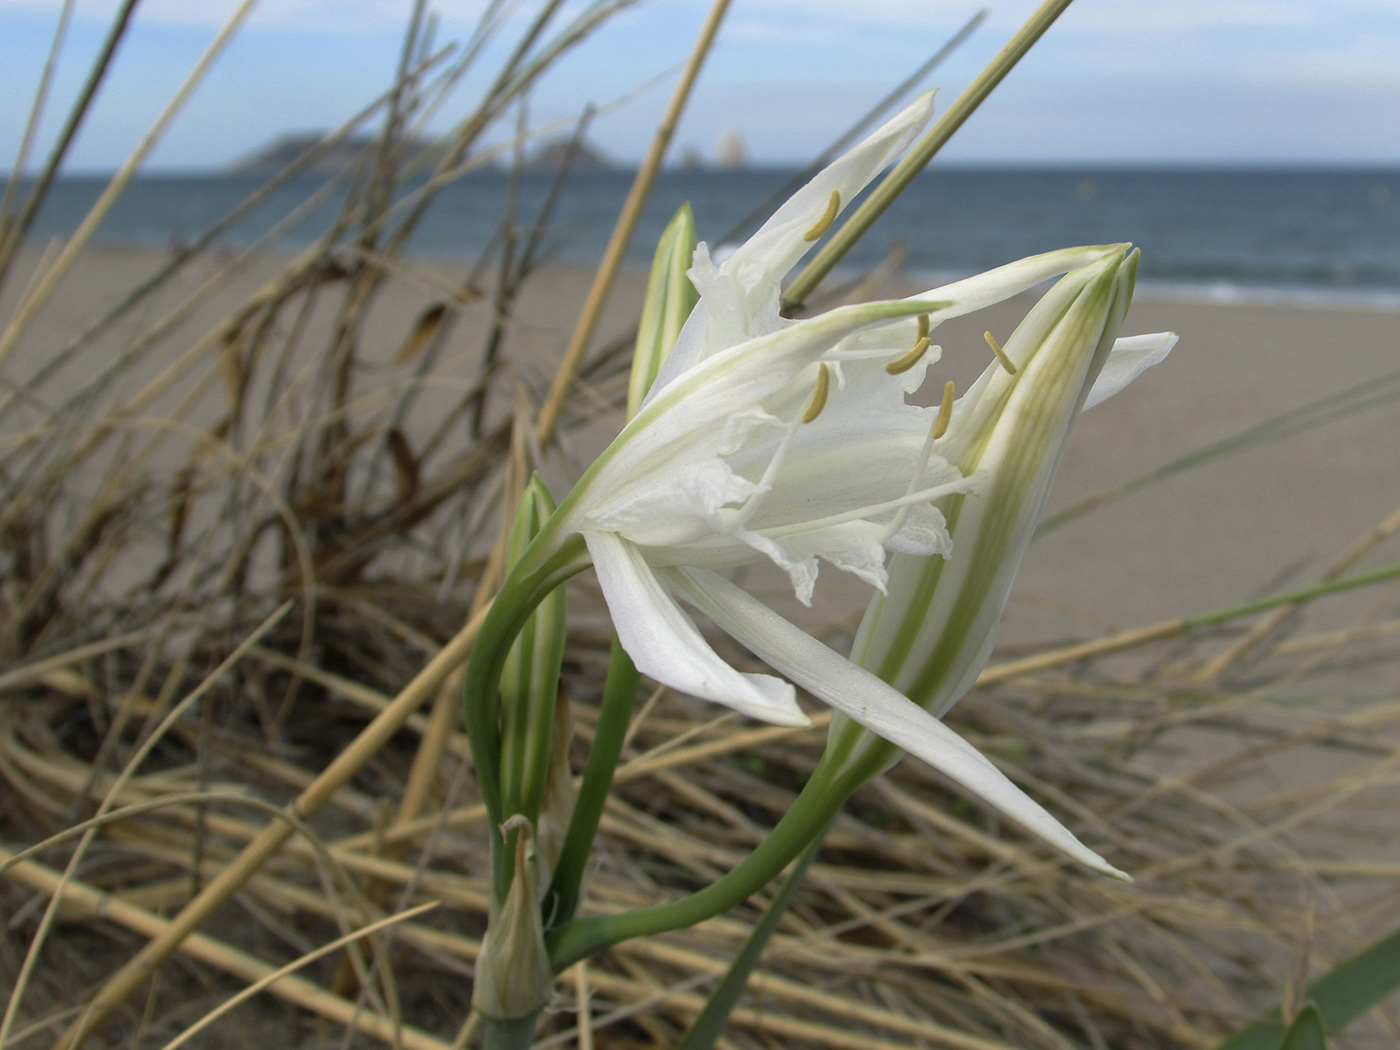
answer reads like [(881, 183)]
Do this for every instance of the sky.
[(1112, 82)]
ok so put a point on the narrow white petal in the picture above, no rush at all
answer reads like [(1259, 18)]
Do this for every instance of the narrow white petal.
[(1129, 358), (739, 296), (997, 285), (866, 699), (691, 414), (779, 242), (665, 644)]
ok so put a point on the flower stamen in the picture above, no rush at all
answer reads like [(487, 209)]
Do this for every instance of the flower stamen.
[(1006, 362), (833, 205), (909, 360), (945, 411), (940, 427), (928, 495), (818, 402)]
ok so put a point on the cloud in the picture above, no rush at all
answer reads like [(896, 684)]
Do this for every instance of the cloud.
[(1139, 17), (312, 15), (1260, 42)]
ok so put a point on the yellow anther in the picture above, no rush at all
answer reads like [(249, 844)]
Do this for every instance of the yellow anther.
[(910, 359), (923, 326), (945, 411), (828, 217), (1006, 362), (818, 402)]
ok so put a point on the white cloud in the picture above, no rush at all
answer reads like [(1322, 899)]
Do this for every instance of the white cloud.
[(314, 15), (1119, 16)]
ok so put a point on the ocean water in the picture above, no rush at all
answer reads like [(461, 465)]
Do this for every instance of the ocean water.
[(1306, 235)]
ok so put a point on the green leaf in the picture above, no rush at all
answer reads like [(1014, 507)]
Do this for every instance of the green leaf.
[(1340, 997), (1306, 1031), (709, 1025)]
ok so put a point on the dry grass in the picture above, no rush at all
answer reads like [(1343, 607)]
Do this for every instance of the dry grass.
[(240, 516)]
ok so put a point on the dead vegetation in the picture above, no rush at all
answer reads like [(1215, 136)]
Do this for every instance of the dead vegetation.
[(245, 539)]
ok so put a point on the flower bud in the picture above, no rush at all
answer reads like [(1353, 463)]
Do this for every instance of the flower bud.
[(670, 298), (513, 975), (530, 681)]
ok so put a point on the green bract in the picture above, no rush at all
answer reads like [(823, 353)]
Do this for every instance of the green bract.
[(513, 974), (669, 300)]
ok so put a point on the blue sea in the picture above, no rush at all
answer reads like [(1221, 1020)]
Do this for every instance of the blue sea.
[(1296, 234)]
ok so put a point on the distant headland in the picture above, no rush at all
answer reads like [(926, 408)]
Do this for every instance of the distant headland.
[(345, 154)]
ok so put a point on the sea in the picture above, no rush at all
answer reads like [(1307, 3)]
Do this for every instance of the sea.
[(1310, 236)]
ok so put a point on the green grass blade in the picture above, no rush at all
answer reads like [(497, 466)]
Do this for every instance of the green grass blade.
[(1340, 997), (1306, 1031), (709, 1025), (1349, 402)]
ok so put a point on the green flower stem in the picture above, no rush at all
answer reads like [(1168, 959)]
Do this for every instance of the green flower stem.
[(800, 826), (619, 694), (706, 1029), (524, 588), (903, 173), (514, 1034)]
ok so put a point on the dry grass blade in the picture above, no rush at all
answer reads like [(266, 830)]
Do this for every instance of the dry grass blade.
[(98, 905), (622, 231), (36, 299), (342, 433)]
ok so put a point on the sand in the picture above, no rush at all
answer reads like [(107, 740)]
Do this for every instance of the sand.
[(1235, 528)]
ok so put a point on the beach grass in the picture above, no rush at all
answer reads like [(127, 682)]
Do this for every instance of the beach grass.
[(251, 510)]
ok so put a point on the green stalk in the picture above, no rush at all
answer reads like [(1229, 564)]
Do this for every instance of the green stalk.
[(516, 1033), (706, 1029), (1340, 997), (521, 592), (800, 826), (619, 694), (1302, 594), (914, 162)]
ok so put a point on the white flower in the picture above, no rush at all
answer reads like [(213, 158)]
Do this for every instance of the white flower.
[(930, 633), (792, 441)]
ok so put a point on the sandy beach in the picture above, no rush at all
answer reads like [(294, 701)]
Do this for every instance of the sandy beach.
[(1237, 527), (1231, 529)]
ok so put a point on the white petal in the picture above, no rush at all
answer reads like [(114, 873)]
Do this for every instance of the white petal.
[(672, 506), (924, 533), (852, 546), (995, 286), (692, 412), (866, 699), (665, 644), (780, 242), (1129, 358), (739, 297)]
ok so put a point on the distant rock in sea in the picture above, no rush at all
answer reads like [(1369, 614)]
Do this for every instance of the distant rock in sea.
[(345, 154), (730, 152), (553, 153)]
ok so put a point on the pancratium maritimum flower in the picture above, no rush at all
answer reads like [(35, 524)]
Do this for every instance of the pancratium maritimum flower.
[(764, 438)]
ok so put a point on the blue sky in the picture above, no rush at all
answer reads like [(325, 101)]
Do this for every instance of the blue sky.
[(1121, 81)]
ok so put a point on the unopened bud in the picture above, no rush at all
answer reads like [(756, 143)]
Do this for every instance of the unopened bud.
[(530, 679), (513, 975), (669, 300)]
